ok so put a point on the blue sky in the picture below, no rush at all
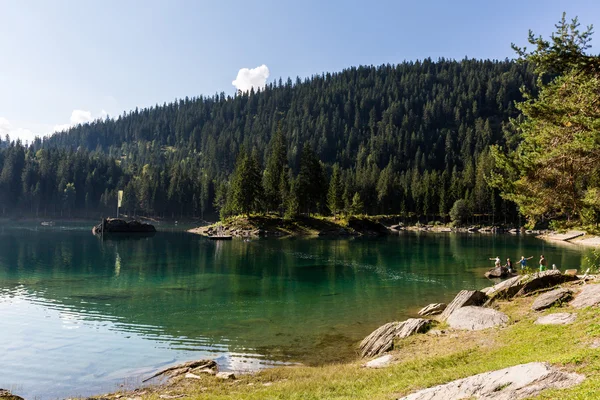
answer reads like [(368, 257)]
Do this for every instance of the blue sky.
[(69, 61)]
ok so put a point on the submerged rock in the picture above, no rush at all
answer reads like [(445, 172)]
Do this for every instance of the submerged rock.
[(588, 297), (382, 339), (462, 299), (548, 299), (556, 319), (432, 309), (476, 318), (518, 382)]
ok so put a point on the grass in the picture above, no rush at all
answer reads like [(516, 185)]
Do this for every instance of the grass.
[(425, 360)]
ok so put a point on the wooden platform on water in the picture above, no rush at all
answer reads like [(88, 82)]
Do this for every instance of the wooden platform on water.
[(220, 237)]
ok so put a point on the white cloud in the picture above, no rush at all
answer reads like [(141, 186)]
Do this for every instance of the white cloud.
[(27, 131), (251, 78), (77, 117), (6, 128)]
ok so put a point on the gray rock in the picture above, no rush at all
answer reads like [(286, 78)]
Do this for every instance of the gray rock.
[(380, 362), (225, 375), (544, 279), (588, 297), (476, 318), (513, 383), (497, 272), (548, 299), (464, 298), (382, 339), (432, 309), (507, 288), (556, 319)]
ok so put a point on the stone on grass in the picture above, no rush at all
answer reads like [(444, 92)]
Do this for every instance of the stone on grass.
[(473, 318), (556, 319), (432, 309), (382, 339), (588, 297), (225, 375), (513, 383), (551, 298), (189, 375), (462, 299), (379, 362)]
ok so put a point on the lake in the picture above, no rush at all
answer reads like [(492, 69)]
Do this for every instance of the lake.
[(83, 316)]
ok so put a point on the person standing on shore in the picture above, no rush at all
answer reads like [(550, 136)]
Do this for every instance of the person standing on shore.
[(543, 263), (523, 261)]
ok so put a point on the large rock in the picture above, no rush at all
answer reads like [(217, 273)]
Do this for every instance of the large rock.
[(476, 318), (497, 272), (432, 309), (382, 339), (542, 280), (557, 319), (464, 298), (513, 383), (507, 288), (588, 297), (550, 298)]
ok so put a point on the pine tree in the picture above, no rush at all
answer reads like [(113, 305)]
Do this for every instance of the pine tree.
[(335, 200)]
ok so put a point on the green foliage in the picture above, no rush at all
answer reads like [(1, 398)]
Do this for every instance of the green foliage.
[(553, 173), (246, 187), (335, 200), (393, 130), (564, 52), (460, 212), (357, 207)]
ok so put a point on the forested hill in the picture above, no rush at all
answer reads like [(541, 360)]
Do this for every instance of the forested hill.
[(411, 137)]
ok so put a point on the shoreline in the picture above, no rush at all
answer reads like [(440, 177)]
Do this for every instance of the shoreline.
[(438, 340)]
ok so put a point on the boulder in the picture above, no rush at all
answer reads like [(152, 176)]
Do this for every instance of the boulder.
[(382, 339), (379, 362), (544, 279), (225, 375), (507, 288), (513, 383), (464, 298), (6, 395), (473, 318), (556, 319), (588, 297), (497, 272), (550, 298), (432, 309)]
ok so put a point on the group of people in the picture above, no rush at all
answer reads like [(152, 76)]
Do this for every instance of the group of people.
[(523, 262)]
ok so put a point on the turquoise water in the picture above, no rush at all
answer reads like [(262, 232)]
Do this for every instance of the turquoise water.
[(82, 316)]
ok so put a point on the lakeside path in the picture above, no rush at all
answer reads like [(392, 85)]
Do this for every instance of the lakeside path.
[(574, 237)]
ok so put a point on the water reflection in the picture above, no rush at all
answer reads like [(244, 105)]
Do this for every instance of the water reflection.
[(125, 307)]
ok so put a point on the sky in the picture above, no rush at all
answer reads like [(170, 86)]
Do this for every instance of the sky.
[(65, 62)]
